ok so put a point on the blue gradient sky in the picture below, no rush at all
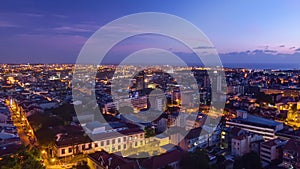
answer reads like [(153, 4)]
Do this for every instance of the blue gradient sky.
[(54, 31)]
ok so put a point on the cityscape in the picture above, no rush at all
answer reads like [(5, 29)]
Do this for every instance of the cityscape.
[(261, 116), (237, 106)]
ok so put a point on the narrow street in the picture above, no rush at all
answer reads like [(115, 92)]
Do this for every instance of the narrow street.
[(24, 129)]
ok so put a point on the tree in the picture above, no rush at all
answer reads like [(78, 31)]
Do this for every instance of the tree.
[(149, 132), (82, 165), (168, 167), (262, 97), (196, 160), (220, 162), (25, 158), (248, 161)]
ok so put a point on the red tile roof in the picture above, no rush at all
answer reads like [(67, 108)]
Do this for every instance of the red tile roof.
[(102, 158), (163, 160)]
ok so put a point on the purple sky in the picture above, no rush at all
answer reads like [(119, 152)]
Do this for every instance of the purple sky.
[(54, 31)]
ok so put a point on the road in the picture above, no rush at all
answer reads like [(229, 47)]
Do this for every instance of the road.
[(24, 129)]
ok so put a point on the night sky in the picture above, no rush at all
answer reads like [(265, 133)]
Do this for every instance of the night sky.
[(54, 31)]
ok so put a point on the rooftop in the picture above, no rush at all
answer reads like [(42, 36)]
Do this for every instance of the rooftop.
[(289, 133), (110, 135), (163, 160), (102, 158), (273, 142), (292, 145), (94, 124), (258, 121)]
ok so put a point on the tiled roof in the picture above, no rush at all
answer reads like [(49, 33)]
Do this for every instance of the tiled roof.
[(163, 160), (102, 158)]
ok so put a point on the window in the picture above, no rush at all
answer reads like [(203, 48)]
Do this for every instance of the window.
[(119, 147), (124, 146), (102, 143), (124, 139), (113, 141), (136, 144), (96, 145), (63, 151), (119, 140), (70, 150), (83, 147), (107, 142), (141, 135)]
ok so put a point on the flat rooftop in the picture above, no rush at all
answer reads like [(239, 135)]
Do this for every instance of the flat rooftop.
[(257, 121)]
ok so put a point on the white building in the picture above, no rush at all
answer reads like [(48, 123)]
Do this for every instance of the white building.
[(254, 124), (270, 150), (240, 145)]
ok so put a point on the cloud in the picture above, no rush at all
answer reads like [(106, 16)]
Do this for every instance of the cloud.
[(266, 47), (253, 52), (77, 28), (59, 16), (36, 15), (42, 48), (297, 50), (293, 47), (6, 24), (71, 29), (204, 47), (270, 51), (282, 46), (249, 58)]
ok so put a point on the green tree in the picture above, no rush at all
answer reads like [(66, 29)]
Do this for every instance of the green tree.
[(149, 132), (82, 165), (220, 162), (196, 160), (25, 158), (168, 167), (248, 161)]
